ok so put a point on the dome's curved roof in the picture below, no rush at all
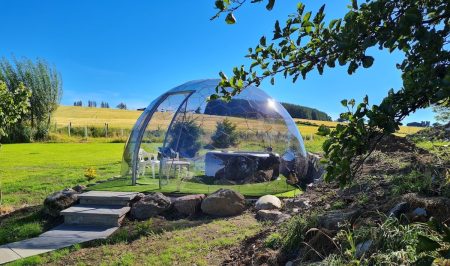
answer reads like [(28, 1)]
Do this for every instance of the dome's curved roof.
[(208, 136)]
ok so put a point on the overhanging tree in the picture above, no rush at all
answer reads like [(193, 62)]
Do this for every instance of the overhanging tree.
[(417, 28)]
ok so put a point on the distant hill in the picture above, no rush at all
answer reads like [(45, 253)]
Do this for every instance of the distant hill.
[(298, 111), (243, 108)]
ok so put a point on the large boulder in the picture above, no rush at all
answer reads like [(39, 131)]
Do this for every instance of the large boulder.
[(189, 204), (268, 202), (224, 202), (149, 206), (59, 201)]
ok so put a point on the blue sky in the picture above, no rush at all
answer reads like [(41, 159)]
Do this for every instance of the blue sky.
[(132, 51)]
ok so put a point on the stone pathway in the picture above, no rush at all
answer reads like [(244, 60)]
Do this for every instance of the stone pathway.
[(60, 237), (82, 223)]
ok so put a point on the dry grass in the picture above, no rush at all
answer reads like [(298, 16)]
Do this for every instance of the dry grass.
[(84, 116)]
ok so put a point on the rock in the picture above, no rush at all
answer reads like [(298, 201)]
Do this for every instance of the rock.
[(224, 202), (242, 168), (419, 215), (289, 263), (399, 209), (362, 248), (59, 201), (272, 216), (149, 206), (437, 207), (297, 203), (419, 212), (268, 202), (315, 168), (189, 205), (79, 188), (331, 220)]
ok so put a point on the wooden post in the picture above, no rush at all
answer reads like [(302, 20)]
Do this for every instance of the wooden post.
[(106, 130), (121, 132), (85, 132), (70, 125)]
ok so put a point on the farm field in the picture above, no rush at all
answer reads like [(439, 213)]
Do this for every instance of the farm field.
[(84, 116)]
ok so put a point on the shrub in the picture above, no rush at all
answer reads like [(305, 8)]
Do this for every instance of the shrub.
[(293, 232), (323, 130), (225, 135), (184, 137), (90, 173)]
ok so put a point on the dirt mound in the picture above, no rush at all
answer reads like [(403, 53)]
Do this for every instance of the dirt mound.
[(392, 143), (437, 133)]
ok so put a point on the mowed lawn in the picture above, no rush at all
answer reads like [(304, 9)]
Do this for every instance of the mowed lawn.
[(29, 172)]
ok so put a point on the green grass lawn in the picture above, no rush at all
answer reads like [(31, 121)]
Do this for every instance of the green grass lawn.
[(29, 172), (276, 187)]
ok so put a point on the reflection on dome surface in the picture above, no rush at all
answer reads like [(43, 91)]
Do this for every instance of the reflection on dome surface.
[(184, 143)]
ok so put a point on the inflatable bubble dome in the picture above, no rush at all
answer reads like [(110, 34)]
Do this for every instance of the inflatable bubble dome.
[(183, 143)]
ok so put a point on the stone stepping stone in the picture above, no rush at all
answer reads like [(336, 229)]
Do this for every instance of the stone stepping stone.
[(60, 237), (105, 215), (107, 198)]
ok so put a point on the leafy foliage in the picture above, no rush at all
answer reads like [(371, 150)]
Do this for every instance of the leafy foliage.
[(13, 104), (418, 29), (225, 135), (184, 137), (323, 130), (442, 113), (440, 248), (46, 86)]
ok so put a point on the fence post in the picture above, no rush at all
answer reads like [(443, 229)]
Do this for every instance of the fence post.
[(85, 132), (106, 130), (121, 132), (70, 125)]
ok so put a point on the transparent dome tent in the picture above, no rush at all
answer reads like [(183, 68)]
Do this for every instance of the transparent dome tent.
[(183, 143)]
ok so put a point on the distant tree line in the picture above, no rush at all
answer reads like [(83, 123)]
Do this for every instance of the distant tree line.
[(298, 111), (45, 85), (122, 106), (419, 124)]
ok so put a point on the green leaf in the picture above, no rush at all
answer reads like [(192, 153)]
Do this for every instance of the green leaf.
[(367, 61), (307, 16), (277, 31), (344, 103), (272, 81), (262, 41), (426, 244), (270, 5), (223, 76), (220, 5), (230, 19), (355, 4)]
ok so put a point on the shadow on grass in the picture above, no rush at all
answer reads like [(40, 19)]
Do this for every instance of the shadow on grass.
[(25, 223), (134, 230)]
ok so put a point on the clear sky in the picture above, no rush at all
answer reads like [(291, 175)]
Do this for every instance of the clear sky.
[(132, 51)]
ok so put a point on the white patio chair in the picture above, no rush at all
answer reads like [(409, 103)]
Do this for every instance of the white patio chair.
[(146, 159)]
